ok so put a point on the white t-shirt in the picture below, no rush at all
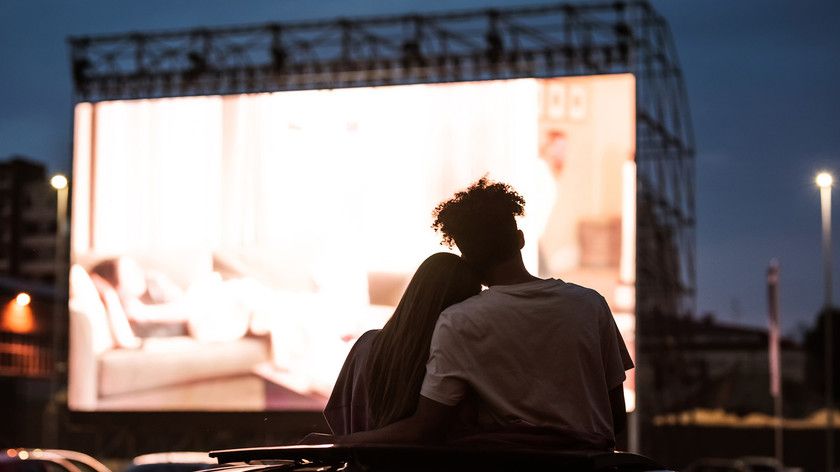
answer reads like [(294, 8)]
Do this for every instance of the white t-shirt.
[(543, 353)]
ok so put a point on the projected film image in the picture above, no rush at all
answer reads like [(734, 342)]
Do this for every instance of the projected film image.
[(226, 251)]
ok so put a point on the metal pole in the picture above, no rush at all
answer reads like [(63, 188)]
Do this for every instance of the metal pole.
[(633, 431), (825, 197), (774, 352), (51, 416)]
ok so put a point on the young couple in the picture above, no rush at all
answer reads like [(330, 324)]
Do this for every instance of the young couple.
[(529, 361)]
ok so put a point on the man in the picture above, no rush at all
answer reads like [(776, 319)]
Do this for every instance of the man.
[(527, 355)]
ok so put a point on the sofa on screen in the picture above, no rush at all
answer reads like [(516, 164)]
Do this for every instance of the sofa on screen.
[(257, 322)]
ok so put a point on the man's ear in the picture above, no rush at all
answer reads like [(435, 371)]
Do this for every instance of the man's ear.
[(521, 236)]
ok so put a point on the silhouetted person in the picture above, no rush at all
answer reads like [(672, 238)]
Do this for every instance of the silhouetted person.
[(535, 358), (379, 383)]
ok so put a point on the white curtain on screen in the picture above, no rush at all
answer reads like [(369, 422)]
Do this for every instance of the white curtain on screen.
[(156, 174), (354, 172), (172, 174)]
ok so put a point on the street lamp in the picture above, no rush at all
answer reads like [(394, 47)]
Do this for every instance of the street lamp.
[(824, 181), (23, 299), (60, 184)]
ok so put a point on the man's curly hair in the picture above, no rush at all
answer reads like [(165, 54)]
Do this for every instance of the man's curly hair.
[(481, 221)]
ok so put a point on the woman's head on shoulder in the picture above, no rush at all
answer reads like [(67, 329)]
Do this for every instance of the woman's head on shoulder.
[(445, 277), (442, 280), (397, 361)]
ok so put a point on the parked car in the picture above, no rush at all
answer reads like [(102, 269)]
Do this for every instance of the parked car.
[(49, 460), (390, 458)]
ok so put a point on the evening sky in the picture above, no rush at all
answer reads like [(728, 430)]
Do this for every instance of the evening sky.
[(762, 79)]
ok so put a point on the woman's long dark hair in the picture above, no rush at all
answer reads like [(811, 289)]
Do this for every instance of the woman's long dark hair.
[(397, 362)]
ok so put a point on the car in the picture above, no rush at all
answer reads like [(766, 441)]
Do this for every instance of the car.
[(49, 460), (416, 458)]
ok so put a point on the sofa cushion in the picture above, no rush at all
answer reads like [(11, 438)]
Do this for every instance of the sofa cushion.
[(182, 266), (176, 360), (84, 299), (121, 331)]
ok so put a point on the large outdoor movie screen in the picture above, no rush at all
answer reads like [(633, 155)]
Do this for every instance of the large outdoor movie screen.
[(226, 251)]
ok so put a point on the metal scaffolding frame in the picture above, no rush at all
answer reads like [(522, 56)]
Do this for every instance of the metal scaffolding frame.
[(465, 46), (541, 42)]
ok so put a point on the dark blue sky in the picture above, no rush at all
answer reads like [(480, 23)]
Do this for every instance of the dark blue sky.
[(762, 79)]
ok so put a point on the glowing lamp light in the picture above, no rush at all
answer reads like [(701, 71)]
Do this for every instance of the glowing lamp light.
[(17, 316), (824, 180), (58, 182), (23, 299)]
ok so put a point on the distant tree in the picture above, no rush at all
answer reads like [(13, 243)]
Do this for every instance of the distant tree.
[(815, 346)]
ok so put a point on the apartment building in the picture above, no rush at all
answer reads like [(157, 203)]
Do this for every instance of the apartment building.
[(27, 221)]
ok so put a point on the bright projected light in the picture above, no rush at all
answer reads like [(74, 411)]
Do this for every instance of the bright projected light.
[(226, 251)]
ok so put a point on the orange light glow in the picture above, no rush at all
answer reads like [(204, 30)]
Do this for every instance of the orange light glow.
[(17, 318), (23, 299)]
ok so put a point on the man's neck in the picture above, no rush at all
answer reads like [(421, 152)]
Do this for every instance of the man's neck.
[(509, 272)]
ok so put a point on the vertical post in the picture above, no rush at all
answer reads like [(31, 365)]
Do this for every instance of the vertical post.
[(825, 194), (824, 180), (50, 433), (775, 356), (633, 432)]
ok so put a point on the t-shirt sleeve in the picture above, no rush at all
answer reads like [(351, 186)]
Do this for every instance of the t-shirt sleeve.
[(615, 355), (444, 381)]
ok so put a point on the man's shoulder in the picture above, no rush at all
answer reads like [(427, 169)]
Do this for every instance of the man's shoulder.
[(467, 306), (570, 295), (500, 298), (582, 291), (559, 288), (536, 289)]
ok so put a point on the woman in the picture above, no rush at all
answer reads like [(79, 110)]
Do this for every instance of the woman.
[(380, 381)]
